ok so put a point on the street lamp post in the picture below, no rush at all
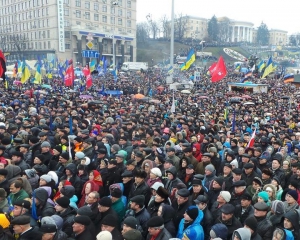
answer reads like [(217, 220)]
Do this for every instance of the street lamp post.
[(114, 4), (202, 42), (172, 37)]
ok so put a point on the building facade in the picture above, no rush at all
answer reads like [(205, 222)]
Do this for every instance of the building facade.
[(241, 31), (196, 27), (59, 29), (278, 37)]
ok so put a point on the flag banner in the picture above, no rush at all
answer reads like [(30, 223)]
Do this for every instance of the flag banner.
[(70, 76), (288, 78), (2, 65), (219, 71), (269, 68), (189, 60), (38, 75), (25, 72), (93, 65), (89, 81), (252, 140)]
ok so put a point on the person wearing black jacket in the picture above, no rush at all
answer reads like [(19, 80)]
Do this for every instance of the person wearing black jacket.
[(113, 176), (81, 228), (21, 226), (109, 224), (67, 213), (207, 221), (244, 209), (127, 179), (140, 187), (71, 174)]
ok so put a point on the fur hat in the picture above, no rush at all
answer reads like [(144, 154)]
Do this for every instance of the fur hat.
[(162, 192)]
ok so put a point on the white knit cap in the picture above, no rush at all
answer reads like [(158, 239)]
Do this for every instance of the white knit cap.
[(156, 185), (104, 235), (226, 195), (156, 171)]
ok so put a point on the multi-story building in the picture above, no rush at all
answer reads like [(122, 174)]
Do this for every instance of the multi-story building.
[(61, 29), (196, 27), (278, 37)]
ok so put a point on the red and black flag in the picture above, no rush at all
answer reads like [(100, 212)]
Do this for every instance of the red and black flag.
[(2, 66)]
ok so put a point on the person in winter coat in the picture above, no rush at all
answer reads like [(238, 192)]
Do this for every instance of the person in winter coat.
[(167, 213), (40, 206), (69, 192), (80, 228), (88, 187), (50, 231), (283, 234), (161, 197), (191, 223), (71, 175), (173, 180), (67, 213), (251, 224), (241, 234), (156, 229), (140, 187), (32, 178), (218, 231), (264, 226), (290, 221), (276, 213)]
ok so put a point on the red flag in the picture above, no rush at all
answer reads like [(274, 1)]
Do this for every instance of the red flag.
[(219, 72), (252, 140), (212, 68), (86, 71), (70, 76), (89, 81), (2, 66)]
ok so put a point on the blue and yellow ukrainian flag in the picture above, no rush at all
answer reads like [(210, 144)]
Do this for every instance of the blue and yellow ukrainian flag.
[(38, 75), (261, 65), (288, 78), (189, 60), (269, 68), (238, 68), (170, 70), (19, 66), (25, 72), (93, 65)]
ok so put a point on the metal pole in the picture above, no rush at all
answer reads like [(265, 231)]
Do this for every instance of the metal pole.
[(113, 38), (172, 37)]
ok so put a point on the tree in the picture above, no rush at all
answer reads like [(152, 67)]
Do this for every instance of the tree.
[(142, 32), (154, 27), (225, 30), (263, 34), (213, 29), (294, 39), (165, 25), (180, 26), (14, 43)]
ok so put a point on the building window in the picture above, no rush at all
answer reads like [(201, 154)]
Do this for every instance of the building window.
[(66, 12), (104, 18), (96, 6), (112, 20), (129, 14), (78, 13), (68, 46), (49, 44), (67, 34), (112, 10), (66, 2), (128, 23), (104, 8), (87, 5), (120, 21), (48, 33), (129, 4), (45, 45), (87, 15), (67, 23), (120, 3), (78, 3), (120, 12), (96, 17)]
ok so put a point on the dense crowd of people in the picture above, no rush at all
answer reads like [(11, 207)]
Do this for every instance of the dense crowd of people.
[(117, 167)]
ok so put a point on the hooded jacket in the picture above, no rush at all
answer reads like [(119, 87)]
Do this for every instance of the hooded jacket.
[(68, 217), (278, 208), (244, 233), (220, 230), (75, 180), (293, 217), (170, 184), (44, 208), (195, 225), (168, 214)]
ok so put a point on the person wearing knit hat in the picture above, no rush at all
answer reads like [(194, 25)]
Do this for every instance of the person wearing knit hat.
[(130, 223), (251, 223), (210, 168), (218, 230), (132, 235), (263, 197), (61, 204), (117, 203), (45, 180), (291, 200), (104, 235), (109, 224), (191, 223), (225, 195), (156, 228), (218, 182)]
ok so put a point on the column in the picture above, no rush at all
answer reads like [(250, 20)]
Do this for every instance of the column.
[(232, 34), (244, 33), (79, 49), (238, 34), (131, 53), (251, 36)]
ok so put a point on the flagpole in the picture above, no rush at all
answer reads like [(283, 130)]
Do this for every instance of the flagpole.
[(172, 39)]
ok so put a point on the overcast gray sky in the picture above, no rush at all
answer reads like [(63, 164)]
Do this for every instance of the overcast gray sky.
[(277, 14)]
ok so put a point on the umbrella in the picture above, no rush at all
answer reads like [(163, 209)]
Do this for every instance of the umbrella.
[(71, 91), (40, 92), (17, 83), (285, 97), (246, 96), (154, 101), (86, 96), (186, 91), (46, 86), (138, 96), (203, 97), (249, 103), (235, 100)]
